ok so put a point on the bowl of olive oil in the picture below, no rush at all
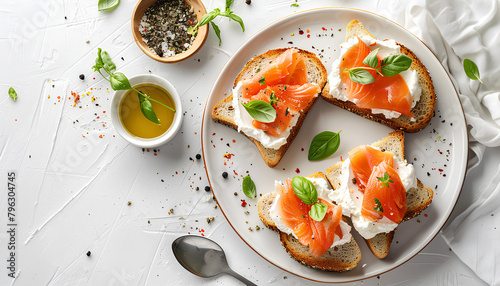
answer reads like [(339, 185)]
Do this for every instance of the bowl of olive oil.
[(129, 120)]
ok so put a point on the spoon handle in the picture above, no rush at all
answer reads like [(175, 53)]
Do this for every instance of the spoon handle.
[(239, 277)]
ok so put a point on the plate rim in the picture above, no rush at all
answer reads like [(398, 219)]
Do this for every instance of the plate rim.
[(455, 93)]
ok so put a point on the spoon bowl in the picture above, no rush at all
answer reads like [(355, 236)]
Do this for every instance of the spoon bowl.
[(203, 257)]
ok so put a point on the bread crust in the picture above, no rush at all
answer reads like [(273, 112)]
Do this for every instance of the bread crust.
[(423, 110), (417, 199), (223, 111), (339, 259)]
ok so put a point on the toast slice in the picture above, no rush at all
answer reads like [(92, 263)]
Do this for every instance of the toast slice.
[(417, 199), (341, 258), (223, 112), (424, 109)]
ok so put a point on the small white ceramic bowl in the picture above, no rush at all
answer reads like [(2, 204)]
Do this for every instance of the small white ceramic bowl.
[(147, 142)]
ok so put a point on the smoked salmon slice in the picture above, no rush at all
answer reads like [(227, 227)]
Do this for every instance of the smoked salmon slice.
[(389, 93), (318, 235), (291, 98), (381, 199), (363, 159), (288, 68)]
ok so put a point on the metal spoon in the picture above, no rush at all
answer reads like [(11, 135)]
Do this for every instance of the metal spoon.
[(203, 257)]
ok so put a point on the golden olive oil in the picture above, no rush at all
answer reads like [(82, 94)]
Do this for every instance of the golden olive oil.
[(135, 122)]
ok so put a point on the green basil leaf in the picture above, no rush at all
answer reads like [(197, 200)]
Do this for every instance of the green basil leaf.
[(228, 4), (318, 211), (208, 17), (237, 19), (323, 145), (360, 76), (471, 70), (192, 30), (217, 32), (119, 81), (248, 187), (107, 5), (98, 61), (13, 93), (261, 111), (147, 109), (108, 63), (394, 64), (372, 59), (304, 190)]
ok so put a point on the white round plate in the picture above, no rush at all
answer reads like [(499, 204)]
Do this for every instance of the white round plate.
[(439, 152)]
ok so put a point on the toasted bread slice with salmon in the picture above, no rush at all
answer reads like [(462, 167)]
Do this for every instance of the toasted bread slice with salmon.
[(339, 258), (224, 112), (417, 199), (423, 111)]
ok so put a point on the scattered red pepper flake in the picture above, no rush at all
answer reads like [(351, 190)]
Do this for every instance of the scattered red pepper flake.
[(302, 149), (235, 173), (301, 32), (324, 29), (213, 134), (308, 31), (104, 111), (425, 215), (297, 171), (228, 155), (243, 203), (100, 136), (308, 35), (234, 141)]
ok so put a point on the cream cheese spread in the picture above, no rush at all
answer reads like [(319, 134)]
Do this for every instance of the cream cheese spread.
[(386, 48)]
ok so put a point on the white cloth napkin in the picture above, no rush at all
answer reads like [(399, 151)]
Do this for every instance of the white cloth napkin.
[(472, 28)]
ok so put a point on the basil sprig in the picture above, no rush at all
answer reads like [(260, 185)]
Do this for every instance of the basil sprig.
[(248, 187), (260, 110), (323, 145), (306, 192), (13, 93), (119, 81), (106, 5), (210, 16), (471, 70), (389, 66)]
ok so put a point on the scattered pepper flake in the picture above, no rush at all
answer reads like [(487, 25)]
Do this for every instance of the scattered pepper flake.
[(243, 203), (228, 155)]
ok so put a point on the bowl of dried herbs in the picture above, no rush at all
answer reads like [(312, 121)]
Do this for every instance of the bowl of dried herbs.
[(163, 28)]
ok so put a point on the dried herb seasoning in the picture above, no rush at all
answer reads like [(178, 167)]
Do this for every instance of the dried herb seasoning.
[(164, 27)]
